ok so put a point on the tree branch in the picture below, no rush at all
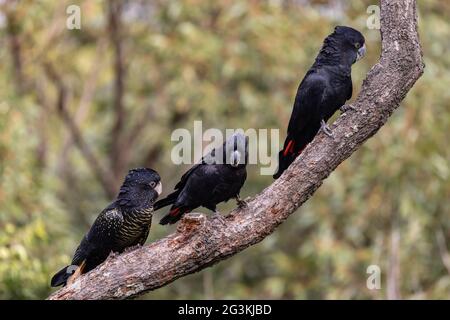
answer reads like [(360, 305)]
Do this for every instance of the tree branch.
[(15, 45), (84, 105), (103, 177), (442, 245), (200, 242), (118, 157)]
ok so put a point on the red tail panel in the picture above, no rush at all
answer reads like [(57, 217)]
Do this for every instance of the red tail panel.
[(174, 212), (289, 148)]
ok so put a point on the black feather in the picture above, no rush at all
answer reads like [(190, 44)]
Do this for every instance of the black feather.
[(168, 219), (60, 278), (170, 199)]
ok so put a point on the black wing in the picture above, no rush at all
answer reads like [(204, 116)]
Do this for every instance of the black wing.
[(101, 239), (171, 198), (310, 95), (186, 175), (206, 159), (95, 246), (202, 181), (305, 118)]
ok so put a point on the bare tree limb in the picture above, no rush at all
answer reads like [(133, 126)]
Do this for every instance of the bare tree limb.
[(84, 104), (200, 242), (118, 156), (103, 177), (442, 244), (15, 45), (393, 273)]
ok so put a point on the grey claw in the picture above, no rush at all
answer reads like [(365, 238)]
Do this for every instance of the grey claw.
[(241, 203), (326, 129), (219, 217), (347, 107)]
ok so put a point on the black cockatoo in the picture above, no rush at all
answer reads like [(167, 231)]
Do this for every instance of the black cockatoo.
[(124, 223), (324, 89), (218, 177)]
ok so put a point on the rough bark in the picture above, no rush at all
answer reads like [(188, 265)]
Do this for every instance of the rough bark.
[(200, 242)]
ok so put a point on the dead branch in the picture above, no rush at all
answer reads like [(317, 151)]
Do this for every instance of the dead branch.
[(200, 242)]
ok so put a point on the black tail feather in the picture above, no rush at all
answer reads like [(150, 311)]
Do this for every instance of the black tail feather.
[(173, 216), (170, 199), (283, 163), (292, 148), (286, 156), (168, 219), (61, 277)]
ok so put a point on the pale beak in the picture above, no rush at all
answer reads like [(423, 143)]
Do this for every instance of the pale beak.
[(361, 52), (158, 188), (235, 158)]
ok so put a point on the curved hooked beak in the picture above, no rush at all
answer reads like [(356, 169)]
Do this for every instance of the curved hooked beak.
[(361, 52), (158, 188)]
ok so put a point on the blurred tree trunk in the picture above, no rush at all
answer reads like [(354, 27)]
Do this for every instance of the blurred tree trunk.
[(105, 179), (15, 47), (200, 242), (118, 154), (393, 275), (13, 30), (83, 108)]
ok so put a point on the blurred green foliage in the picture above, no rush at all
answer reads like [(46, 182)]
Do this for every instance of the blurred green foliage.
[(231, 64)]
